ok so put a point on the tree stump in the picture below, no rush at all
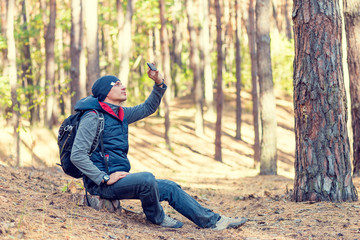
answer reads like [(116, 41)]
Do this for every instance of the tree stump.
[(98, 203)]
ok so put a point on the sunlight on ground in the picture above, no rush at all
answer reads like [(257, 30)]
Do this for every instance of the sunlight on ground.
[(191, 157)]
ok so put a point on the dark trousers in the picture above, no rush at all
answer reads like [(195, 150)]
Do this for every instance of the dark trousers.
[(152, 191)]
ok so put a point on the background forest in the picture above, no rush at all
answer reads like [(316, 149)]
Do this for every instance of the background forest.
[(59, 52), (261, 112)]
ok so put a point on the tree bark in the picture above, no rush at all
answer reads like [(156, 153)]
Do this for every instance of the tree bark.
[(195, 65), (75, 53), (238, 69), (92, 43), (124, 42), (352, 27), (219, 90), (50, 65), (165, 56), (322, 163), (255, 83), (268, 150)]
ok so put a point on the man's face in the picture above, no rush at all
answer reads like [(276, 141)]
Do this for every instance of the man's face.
[(117, 92)]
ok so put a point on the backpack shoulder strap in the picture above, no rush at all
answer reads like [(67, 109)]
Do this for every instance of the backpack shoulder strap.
[(99, 139), (99, 130)]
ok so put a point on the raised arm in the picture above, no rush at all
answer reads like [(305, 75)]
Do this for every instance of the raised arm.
[(136, 113), (133, 114)]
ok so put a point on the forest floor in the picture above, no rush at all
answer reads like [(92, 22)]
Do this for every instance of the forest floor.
[(35, 205)]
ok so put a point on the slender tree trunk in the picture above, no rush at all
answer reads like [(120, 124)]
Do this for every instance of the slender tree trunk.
[(268, 150), (176, 64), (83, 73), (205, 45), (108, 48), (120, 18), (27, 75), (255, 83), (3, 31), (226, 38), (166, 65), (151, 46), (92, 43), (195, 63), (238, 69), (124, 41), (219, 90), (75, 53), (11, 71), (229, 40), (61, 96), (275, 16), (50, 65), (287, 20), (322, 163), (352, 27)]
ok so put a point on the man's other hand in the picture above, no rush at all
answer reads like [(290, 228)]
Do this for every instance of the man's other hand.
[(116, 176)]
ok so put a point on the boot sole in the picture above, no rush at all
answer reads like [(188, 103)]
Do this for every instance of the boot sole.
[(238, 224)]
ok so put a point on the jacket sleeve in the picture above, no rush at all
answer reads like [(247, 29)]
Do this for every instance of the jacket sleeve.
[(81, 147), (136, 113)]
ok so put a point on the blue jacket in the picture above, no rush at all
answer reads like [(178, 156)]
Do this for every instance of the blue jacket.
[(115, 137)]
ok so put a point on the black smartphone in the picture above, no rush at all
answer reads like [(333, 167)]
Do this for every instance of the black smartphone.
[(152, 66)]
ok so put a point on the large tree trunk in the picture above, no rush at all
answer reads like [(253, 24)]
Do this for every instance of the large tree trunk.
[(92, 43), (238, 69), (322, 163), (268, 151), (165, 56), (11, 72), (75, 53), (26, 64), (195, 66), (219, 90), (124, 41), (254, 82), (352, 26), (50, 65)]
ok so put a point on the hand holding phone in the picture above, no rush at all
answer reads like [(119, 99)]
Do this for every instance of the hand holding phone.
[(152, 66)]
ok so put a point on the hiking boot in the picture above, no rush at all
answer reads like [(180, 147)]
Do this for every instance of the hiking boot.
[(226, 222), (171, 223)]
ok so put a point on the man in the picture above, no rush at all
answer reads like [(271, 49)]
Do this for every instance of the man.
[(108, 94)]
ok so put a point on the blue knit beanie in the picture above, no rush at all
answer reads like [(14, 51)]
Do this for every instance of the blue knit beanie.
[(102, 86)]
